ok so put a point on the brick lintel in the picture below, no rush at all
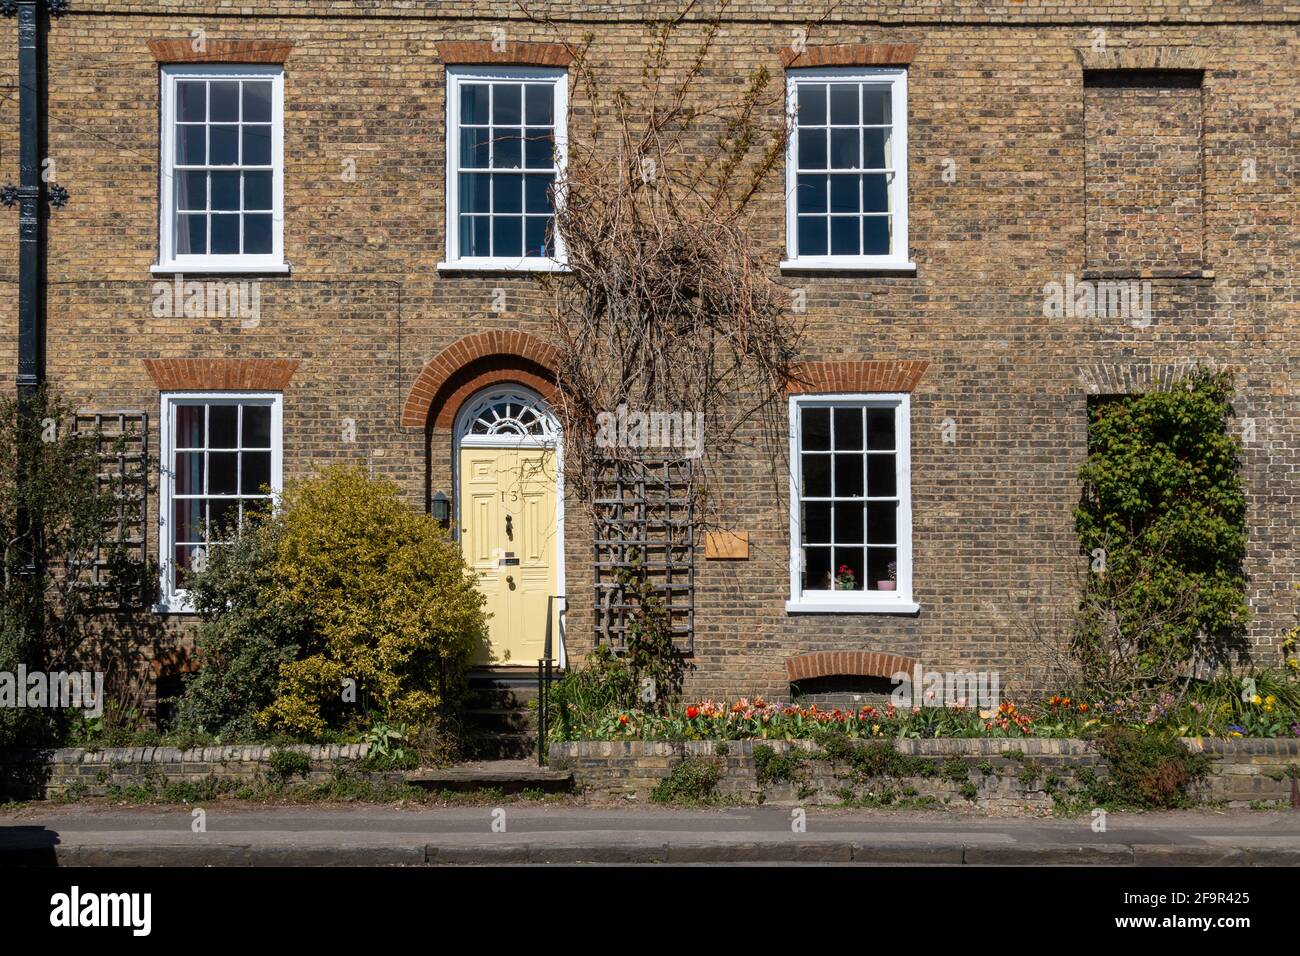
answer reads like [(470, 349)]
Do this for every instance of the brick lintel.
[(888, 375), (197, 374), (849, 54), (476, 52), (220, 51)]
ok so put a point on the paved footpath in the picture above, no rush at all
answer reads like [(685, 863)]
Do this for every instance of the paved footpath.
[(242, 834)]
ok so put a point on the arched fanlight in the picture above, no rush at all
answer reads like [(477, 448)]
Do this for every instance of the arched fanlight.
[(508, 413)]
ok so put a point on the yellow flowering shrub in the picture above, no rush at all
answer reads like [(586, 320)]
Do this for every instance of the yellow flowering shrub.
[(392, 604)]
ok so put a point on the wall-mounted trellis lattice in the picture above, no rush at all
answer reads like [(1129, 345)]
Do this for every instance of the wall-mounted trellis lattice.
[(643, 508), (122, 445)]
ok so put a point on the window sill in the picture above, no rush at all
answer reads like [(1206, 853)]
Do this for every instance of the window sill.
[(1122, 272), (180, 608), (814, 606), (849, 264), (214, 269), (503, 265)]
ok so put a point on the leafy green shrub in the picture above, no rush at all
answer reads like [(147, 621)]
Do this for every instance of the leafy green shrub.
[(954, 769), (652, 657), (1029, 775), (20, 726), (287, 764), (388, 748), (833, 742), (1163, 518), (344, 584), (392, 603), (586, 695), (773, 767), (246, 633), (1147, 770), (693, 780), (54, 614)]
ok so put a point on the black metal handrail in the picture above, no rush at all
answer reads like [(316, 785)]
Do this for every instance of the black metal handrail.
[(545, 675)]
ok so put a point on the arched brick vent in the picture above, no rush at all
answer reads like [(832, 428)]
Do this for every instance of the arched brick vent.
[(846, 663)]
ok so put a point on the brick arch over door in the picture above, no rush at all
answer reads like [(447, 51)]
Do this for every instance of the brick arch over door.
[(473, 363)]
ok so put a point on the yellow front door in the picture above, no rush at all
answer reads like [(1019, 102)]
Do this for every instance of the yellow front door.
[(508, 536)]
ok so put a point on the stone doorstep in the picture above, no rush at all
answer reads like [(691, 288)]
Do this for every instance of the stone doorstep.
[(511, 777)]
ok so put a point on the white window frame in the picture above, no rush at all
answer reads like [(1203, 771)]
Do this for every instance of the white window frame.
[(898, 260), (168, 261), (174, 600), (456, 75), (864, 601)]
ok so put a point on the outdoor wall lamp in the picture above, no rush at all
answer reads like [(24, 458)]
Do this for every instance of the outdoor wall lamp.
[(440, 509)]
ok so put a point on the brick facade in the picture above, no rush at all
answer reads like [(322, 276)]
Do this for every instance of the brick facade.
[(1015, 139)]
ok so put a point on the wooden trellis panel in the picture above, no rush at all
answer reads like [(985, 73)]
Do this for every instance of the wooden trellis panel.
[(122, 446), (643, 507)]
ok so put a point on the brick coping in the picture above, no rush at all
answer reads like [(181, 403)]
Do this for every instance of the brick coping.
[(937, 746), (247, 753)]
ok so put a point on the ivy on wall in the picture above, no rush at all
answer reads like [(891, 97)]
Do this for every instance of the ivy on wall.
[(1163, 521)]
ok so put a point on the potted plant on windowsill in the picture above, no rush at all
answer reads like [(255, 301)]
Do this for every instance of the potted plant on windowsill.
[(892, 583), (844, 579)]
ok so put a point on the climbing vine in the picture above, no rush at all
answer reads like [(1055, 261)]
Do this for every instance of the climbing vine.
[(1162, 523)]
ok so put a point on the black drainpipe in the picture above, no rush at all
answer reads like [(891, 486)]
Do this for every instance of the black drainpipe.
[(31, 368), (31, 239)]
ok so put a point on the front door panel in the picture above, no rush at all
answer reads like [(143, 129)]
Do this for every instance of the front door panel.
[(509, 537)]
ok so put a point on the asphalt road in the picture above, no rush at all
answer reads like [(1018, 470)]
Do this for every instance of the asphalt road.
[(531, 833)]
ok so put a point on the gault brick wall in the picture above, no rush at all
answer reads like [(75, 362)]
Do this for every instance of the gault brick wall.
[(74, 772), (1026, 166), (1006, 774)]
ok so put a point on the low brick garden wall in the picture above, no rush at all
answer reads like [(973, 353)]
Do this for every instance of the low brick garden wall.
[(1005, 773), (77, 772)]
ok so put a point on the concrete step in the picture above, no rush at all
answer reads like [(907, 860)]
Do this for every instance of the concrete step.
[(504, 686), (490, 745), (500, 698), (508, 776), (517, 720), (500, 714)]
